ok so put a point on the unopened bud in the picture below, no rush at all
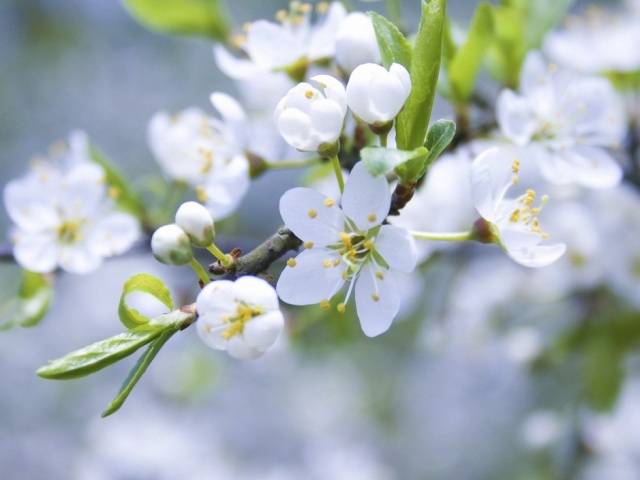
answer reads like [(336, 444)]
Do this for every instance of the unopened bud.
[(196, 222), (171, 245)]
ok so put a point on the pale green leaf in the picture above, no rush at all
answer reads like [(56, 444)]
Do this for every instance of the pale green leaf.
[(144, 283), (30, 304), (413, 120), (394, 47), (380, 160)]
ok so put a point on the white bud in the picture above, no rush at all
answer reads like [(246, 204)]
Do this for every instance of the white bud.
[(375, 94), (356, 42), (197, 223), (309, 118), (171, 245)]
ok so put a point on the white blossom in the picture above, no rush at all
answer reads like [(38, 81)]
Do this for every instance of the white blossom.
[(241, 317), (356, 42), (197, 223), (515, 220), (63, 215), (205, 152), (170, 244), (375, 94), (311, 119), (275, 46), (567, 122), (347, 244)]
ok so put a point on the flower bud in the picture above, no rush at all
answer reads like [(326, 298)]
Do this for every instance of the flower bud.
[(196, 222), (171, 245), (309, 118), (356, 42), (375, 94)]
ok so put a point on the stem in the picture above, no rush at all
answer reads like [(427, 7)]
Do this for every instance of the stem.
[(200, 271), (444, 237), (383, 139), (338, 171), (300, 163), (220, 255)]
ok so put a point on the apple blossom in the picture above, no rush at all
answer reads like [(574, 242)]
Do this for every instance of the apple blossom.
[(64, 217), (347, 244), (205, 152), (566, 122), (241, 317), (170, 244), (196, 222), (356, 42), (515, 222), (311, 119), (375, 94)]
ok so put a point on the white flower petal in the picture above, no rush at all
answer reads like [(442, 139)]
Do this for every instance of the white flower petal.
[(28, 206), (216, 298), (261, 332), (210, 328), (397, 247), (226, 186), (387, 95), (114, 234), (377, 301), (271, 45), (37, 252), (295, 127), (537, 256), (326, 120), (78, 258), (332, 89), (307, 214), (236, 68), (322, 43), (255, 291), (238, 348), (366, 199), (515, 117), (491, 176), (228, 108), (309, 281)]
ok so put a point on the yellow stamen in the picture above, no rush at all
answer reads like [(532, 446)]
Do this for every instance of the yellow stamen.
[(329, 202), (201, 194), (375, 297), (372, 217), (325, 305), (312, 213), (308, 245), (341, 308), (292, 262)]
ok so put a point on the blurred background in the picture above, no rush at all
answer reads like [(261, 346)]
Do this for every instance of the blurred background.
[(475, 382)]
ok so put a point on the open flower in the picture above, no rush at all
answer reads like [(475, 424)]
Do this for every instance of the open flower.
[(205, 152), (515, 221), (277, 46), (375, 94), (356, 42), (64, 218), (241, 317), (311, 119), (566, 122), (347, 245)]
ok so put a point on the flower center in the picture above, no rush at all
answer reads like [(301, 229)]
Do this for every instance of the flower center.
[(527, 214), (244, 313), (69, 232)]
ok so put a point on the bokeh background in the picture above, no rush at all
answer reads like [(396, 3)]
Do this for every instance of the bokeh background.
[(446, 394)]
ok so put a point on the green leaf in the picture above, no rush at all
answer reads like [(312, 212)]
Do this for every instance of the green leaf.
[(380, 160), (465, 64), (541, 16), (190, 17), (30, 304), (119, 189), (413, 120), (438, 138), (394, 47), (144, 283), (99, 355), (604, 373), (137, 371), (509, 46)]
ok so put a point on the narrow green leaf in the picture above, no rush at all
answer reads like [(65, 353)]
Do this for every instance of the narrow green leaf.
[(380, 160), (137, 371), (98, 355), (119, 189), (30, 304), (604, 372), (466, 62), (145, 283), (438, 138), (413, 120), (509, 46), (190, 17), (394, 47)]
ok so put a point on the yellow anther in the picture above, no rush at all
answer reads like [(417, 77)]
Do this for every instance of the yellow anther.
[(341, 308), (237, 40), (201, 194), (114, 192), (327, 263), (325, 305), (515, 216), (246, 27), (375, 297), (292, 262), (372, 217), (322, 8), (379, 275), (337, 262), (346, 239), (369, 245), (309, 94), (312, 213), (281, 16), (308, 245), (329, 202), (515, 169)]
